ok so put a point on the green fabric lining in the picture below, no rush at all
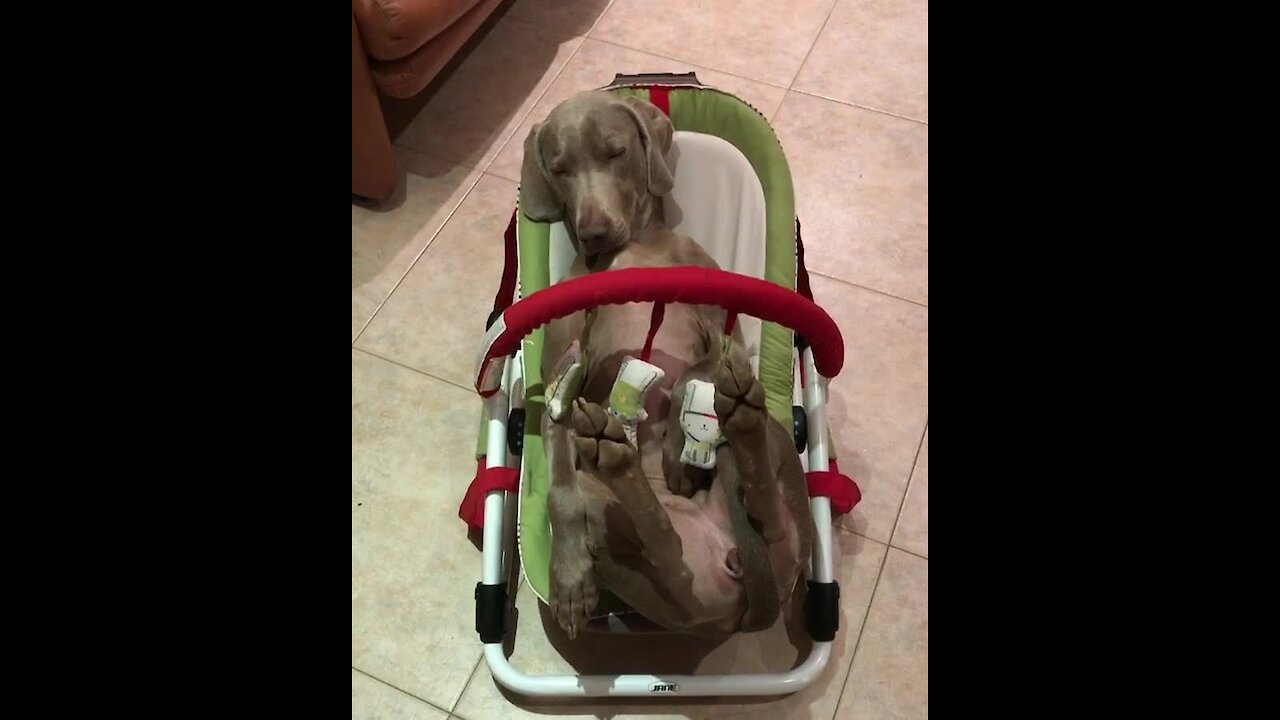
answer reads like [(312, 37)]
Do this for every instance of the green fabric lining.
[(716, 113), (535, 529)]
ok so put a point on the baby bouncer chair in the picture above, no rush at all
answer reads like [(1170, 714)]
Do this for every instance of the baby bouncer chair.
[(733, 195)]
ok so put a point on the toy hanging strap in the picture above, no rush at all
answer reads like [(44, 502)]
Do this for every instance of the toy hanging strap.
[(507, 286), (655, 321), (731, 319)]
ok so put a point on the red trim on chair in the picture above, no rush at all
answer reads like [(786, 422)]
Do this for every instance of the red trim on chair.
[(661, 96), (686, 285), (486, 480)]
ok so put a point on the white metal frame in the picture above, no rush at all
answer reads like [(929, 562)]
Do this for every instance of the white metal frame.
[(500, 551)]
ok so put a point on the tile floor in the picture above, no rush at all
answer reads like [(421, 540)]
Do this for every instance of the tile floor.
[(845, 85)]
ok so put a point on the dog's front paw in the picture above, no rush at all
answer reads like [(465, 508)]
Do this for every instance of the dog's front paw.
[(599, 438), (739, 398), (573, 597)]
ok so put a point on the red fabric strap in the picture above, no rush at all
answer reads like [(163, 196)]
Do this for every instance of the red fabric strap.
[(486, 481), (661, 96), (840, 489), (802, 273), (507, 288), (655, 322)]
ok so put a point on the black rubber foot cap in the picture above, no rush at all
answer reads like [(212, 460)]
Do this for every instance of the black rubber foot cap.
[(491, 607), (822, 610)]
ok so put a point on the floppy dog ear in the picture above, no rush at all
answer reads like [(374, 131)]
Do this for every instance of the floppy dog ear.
[(536, 198), (655, 132)]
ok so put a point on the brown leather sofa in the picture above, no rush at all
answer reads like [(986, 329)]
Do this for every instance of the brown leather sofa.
[(397, 48)]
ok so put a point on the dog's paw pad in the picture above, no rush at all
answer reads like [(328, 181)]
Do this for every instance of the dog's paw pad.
[(739, 397), (600, 439)]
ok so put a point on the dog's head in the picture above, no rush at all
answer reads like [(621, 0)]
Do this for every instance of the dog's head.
[(598, 164)]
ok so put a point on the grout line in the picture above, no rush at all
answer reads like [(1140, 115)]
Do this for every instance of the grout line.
[(494, 174), (862, 629), (883, 562), (397, 689), (434, 155), (453, 713), (482, 171), (819, 273), (531, 24), (909, 552), (911, 476), (539, 24), (516, 126), (677, 60), (418, 257), (599, 17), (814, 44), (861, 107), (466, 684), (446, 381), (878, 541)]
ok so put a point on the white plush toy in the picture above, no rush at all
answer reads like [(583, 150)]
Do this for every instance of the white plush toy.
[(626, 399), (701, 425)]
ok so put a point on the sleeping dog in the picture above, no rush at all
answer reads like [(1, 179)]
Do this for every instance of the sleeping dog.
[(694, 549)]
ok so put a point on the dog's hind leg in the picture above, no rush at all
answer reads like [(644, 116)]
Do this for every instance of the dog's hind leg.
[(573, 593), (770, 476), (743, 419)]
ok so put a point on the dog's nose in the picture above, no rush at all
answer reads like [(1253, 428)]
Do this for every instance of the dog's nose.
[(593, 236), (593, 228)]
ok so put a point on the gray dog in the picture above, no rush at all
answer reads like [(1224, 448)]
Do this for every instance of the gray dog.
[(703, 551)]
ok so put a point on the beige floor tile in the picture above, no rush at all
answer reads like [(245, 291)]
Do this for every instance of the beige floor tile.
[(912, 532), (412, 566), (595, 64), (386, 239), (542, 648), (873, 53), (570, 16), (373, 700), (760, 39), (435, 320), (862, 193), (473, 111), (879, 404), (890, 675)]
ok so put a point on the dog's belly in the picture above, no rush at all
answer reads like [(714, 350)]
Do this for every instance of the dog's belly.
[(619, 331), (702, 522)]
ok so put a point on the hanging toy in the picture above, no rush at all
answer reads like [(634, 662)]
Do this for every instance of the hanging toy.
[(701, 425), (626, 399), (567, 383)]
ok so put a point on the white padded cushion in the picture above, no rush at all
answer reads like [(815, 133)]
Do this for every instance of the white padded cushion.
[(717, 200)]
